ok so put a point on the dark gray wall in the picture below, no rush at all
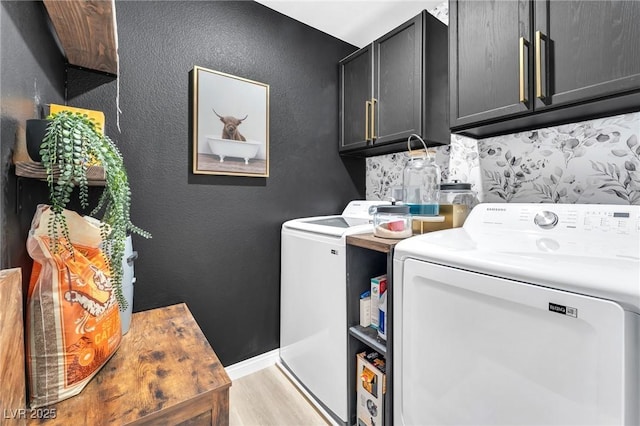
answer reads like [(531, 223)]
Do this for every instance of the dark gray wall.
[(31, 72), (216, 239)]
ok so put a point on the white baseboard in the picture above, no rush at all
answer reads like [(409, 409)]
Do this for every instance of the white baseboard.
[(252, 365)]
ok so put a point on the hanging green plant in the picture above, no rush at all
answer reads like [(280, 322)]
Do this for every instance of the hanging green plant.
[(71, 144)]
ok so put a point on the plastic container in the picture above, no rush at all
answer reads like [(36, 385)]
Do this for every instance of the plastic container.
[(392, 221), (36, 130), (128, 280), (421, 182), (457, 199)]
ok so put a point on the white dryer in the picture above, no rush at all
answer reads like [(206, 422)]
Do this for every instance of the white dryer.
[(313, 302), (528, 315)]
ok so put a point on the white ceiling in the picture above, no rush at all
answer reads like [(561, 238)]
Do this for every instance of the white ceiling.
[(358, 22)]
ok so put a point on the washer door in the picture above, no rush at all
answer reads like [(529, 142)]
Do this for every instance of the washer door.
[(476, 349), (313, 315)]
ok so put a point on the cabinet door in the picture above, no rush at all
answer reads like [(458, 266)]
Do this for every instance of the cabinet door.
[(589, 49), (398, 82), (355, 82), (487, 73)]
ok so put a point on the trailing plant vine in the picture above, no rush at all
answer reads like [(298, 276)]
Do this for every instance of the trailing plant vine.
[(73, 142)]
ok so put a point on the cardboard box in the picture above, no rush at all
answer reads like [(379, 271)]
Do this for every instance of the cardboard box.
[(378, 286), (371, 386)]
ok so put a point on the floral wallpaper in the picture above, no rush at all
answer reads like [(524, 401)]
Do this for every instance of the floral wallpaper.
[(441, 12), (590, 162), (384, 173)]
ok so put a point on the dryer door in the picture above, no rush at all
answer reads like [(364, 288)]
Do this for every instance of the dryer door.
[(481, 350)]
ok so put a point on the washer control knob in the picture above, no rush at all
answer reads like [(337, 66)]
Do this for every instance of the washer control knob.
[(546, 219)]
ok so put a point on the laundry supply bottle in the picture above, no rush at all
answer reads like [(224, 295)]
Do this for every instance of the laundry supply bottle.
[(421, 182), (382, 322)]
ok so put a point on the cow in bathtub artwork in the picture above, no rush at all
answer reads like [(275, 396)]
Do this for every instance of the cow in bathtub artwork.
[(233, 143), (231, 126)]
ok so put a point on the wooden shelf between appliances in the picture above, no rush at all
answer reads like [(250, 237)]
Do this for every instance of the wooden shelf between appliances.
[(371, 242)]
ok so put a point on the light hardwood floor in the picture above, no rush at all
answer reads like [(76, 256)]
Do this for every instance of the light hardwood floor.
[(268, 398)]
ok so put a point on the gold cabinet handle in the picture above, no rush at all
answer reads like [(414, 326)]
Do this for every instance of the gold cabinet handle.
[(373, 118), (367, 106), (523, 94), (539, 92)]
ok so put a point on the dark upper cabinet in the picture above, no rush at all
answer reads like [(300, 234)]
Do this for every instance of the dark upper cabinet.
[(487, 78), (525, 64), (587, 50), (395, 87), (397, 82), (356, 79)]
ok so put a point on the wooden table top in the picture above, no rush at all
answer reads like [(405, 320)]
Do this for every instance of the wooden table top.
[(164, 362)]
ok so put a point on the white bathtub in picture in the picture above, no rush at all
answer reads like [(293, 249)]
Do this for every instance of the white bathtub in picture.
[(228, 148)]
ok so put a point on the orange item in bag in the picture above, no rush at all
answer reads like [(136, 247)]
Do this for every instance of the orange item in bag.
[(73, 320)]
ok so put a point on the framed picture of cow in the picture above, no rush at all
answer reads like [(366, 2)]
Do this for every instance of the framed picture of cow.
[(230, 124)]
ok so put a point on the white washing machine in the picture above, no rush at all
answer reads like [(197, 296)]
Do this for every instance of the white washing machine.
[(528, 315), (313, 302)]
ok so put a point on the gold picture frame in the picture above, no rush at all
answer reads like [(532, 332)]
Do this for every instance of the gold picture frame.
[(230, 124)]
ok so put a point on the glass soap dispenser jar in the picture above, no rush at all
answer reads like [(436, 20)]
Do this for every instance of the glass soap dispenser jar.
[(456, 200), (392, 221), (421, 182)]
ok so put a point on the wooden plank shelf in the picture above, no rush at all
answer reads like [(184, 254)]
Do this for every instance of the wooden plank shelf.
[(371, 242), (369, 336), (34, 170), (87, 32)]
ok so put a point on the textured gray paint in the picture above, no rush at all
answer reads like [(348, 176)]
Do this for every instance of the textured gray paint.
[(31, 74), (216, 239)]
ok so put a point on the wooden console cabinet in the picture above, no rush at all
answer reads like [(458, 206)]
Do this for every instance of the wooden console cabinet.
[(164, 373)]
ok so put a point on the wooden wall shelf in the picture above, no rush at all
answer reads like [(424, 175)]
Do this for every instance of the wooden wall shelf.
[(87, 32), (31, 169)]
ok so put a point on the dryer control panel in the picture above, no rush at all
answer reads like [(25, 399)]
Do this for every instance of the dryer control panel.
[(556, 218)]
